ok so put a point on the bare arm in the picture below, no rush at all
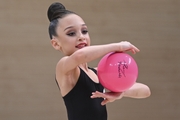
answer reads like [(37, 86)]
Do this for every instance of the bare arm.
[(90, 53), (138, 90)]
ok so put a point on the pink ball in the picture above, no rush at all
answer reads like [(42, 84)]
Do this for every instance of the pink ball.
[(117, 72)]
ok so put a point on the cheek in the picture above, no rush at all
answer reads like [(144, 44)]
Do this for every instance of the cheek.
[(67, 41), (68, 44), (88, 40)]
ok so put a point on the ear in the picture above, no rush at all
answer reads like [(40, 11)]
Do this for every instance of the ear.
[(56, 44)]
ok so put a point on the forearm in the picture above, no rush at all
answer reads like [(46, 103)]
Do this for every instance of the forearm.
[(93, 52), (138, 90)]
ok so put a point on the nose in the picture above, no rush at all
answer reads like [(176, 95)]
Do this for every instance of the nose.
[(81, 37)]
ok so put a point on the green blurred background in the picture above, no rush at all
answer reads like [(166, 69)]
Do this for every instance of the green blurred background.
[(27, 60)]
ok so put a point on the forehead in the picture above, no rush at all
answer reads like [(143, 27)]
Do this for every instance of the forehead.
[(70, 20)]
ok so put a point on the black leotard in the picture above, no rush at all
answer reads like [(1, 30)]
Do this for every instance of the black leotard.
[(78, 103)]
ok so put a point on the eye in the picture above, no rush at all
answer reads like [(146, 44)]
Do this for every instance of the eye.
[(71, 33), (84, 31)]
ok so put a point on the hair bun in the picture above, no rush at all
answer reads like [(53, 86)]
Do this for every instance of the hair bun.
[(53, 9)]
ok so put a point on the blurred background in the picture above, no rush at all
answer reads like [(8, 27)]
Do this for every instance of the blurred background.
[(27, 60)]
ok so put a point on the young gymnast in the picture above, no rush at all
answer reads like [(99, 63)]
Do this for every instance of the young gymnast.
[(79, 85)]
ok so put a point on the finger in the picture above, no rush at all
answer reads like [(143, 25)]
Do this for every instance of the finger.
[(97, 95), (135, 48), (104, 102), (94, 95), (133, 51)]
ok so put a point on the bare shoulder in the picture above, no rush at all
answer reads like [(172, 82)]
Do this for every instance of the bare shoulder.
[(61, 64), (66, 79), (68, 63), (64, 68)]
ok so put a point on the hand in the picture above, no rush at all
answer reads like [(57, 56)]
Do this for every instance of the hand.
[(127, 46), (108, 96)]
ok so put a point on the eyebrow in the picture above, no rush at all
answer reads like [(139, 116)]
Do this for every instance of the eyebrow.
[(72, 27)]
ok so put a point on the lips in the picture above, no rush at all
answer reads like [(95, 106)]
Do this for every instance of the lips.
[(81, 45)]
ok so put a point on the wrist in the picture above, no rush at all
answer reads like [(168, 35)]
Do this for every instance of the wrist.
[(116, 47)]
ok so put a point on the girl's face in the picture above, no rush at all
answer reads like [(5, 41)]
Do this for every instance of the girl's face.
[(72, 34)]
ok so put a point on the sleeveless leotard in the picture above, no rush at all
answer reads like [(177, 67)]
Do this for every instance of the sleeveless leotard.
[(78, 103)]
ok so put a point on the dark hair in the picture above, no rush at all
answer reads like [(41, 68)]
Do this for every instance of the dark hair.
[(56, 11)]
